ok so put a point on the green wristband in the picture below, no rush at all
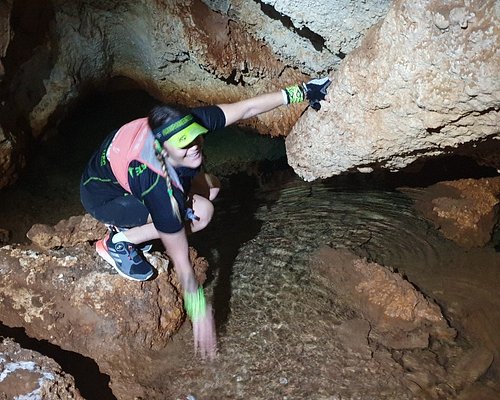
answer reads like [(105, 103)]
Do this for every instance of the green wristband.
[(195, 304), (294, 94)]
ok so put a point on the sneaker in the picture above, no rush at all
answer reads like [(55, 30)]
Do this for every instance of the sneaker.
[(125, 258), (145, 247)]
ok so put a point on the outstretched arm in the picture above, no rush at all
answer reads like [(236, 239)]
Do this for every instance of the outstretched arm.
[(249, 108), (312, 91)]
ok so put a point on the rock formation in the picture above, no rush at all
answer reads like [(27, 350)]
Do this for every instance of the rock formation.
[(10, 163), (465, 211), (423, 82), (26, 374), (71, 298), (400, 316)]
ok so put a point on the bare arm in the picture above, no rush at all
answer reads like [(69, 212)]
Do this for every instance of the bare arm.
[(248, 108), (313, 91), (205, 340), (177, 248)]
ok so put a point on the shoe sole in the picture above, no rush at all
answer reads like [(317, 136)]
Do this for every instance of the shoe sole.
[(100, 248)]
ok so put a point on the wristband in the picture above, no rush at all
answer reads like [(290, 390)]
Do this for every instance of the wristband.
[(294, 94), (195, 304), (285, 96)]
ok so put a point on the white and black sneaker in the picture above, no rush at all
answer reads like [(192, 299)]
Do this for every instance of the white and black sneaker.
[(125, 258)]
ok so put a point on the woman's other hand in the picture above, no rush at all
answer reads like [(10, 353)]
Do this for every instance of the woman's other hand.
[(205, 339)]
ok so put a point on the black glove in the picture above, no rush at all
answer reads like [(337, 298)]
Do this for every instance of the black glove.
[(315, 90)]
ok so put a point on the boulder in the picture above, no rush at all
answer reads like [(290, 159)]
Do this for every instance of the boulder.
[(26, 374), (466, 211), (400, 316), (72, 298), (423, 82)]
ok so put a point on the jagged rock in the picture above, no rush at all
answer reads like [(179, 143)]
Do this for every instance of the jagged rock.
[(465, 211), (401, 316), (75, 300), (311, 35), (71, 232), (26, 374), (423, 82)]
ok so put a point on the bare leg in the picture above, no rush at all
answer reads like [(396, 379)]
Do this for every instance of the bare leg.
[(204, 210), (141, 234), (206, 185)]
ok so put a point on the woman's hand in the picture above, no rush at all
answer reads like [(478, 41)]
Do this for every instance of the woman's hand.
[(205, 340), (195, 304)]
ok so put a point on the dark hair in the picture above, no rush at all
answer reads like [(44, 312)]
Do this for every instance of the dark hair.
[(164, 113)]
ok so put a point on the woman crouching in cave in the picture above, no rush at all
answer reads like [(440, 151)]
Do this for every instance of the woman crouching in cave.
[(145, 182)]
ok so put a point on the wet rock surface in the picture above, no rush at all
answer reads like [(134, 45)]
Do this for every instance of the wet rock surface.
[(25, 374), (400, 316), (465, 211)]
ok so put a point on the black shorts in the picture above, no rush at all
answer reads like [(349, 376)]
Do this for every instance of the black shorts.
[(114, 207)]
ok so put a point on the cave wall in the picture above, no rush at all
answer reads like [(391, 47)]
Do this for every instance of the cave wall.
[(184, 51), (7, 165), (410, 79), (311, 35)]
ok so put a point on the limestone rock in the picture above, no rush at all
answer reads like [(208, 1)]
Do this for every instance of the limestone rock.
[(312, 35), (465, 211), (26, 374), (401, 317), (423, 82), (72, 298), (71, 232)]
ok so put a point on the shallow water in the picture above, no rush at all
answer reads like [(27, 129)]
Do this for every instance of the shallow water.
[(278, 328), (280, 323)]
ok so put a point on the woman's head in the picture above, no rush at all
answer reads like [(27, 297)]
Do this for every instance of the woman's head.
[(176, 131)]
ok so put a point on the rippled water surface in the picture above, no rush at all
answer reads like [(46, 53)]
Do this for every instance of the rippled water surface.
[(279, 325)]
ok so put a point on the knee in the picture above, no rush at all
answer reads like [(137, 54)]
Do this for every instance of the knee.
[(204, 210), (214, 186)]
